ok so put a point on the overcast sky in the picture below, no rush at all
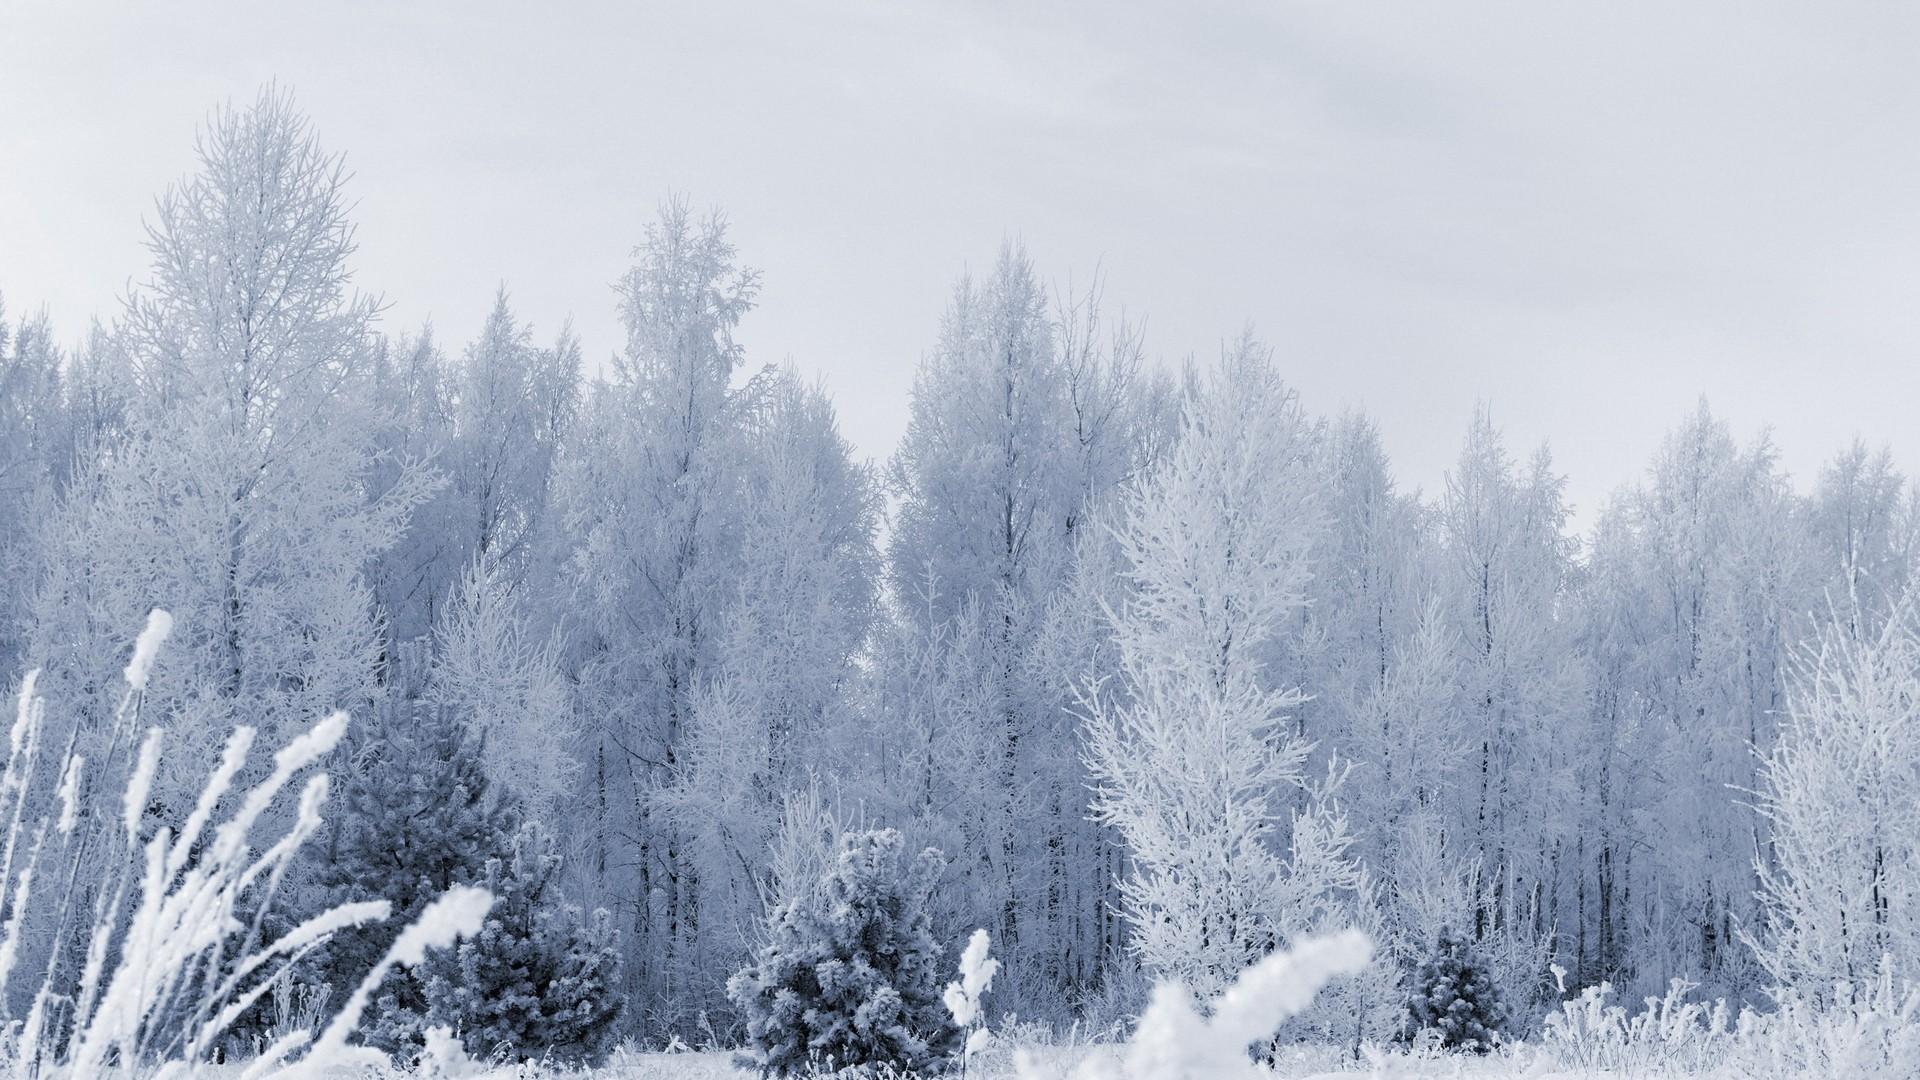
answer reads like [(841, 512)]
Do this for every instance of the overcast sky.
[(1586, 214)]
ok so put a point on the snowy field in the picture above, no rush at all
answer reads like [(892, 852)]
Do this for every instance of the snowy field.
[(1303, 1064)]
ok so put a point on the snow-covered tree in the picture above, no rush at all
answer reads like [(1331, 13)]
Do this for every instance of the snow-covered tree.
[(34, 443), (1455, 996), (781, 692), (651, 500), (512, 402), (418, 818), (1698, 578), (987, 488), (1862, 531), (237, 497), (490, 421), (415, 577), (1373, 585), (1235, 851), (1022, 421), (1505, 572), (506, 685), (1841, 790)]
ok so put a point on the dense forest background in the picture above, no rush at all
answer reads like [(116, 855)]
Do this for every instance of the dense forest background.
[(1160, 658)]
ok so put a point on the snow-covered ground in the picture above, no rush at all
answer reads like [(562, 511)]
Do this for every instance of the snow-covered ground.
[(1306, 1063), (1052, 1061)]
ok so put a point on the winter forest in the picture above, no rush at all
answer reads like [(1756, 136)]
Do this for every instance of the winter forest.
[(444, 700)]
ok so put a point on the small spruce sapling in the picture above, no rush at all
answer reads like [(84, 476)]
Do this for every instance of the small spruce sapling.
[(846, 979), (1454, 994), (539, 980)]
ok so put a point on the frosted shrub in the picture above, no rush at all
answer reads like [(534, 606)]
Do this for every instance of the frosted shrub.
[(1868, 1032), (1668, 1035), (171, 958), (846, 979), (1865, 1032), (1174, 1041), (962, 998)]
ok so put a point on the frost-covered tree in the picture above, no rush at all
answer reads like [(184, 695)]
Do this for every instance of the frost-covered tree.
[(1841, 790), (512, 402), (1022, 421), (34, 443), (490, 421), (1235, 852), (651, 504), (1455, 996), (1413, 756), (848, 975), (1504, 576), (415, 577), (780, 697), (1697, 577), (1373, 585), (238, 496), (1862, 532), (506, 685), (1375, 648), (987, 490)]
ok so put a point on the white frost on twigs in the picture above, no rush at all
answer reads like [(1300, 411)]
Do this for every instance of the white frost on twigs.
[(141, 782), (70, 794), (159, 625), (23, 717), (976, 977)]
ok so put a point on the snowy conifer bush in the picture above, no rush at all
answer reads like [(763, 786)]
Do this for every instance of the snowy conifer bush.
[(1455, 996), (540, 981), (847, 979)]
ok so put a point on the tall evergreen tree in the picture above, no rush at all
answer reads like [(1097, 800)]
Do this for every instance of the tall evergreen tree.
[(416, 817)]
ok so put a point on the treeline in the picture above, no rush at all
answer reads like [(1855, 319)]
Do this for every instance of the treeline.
[(693, 636)]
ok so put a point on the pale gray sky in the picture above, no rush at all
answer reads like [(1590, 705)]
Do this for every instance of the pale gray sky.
[(1588, 214)]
